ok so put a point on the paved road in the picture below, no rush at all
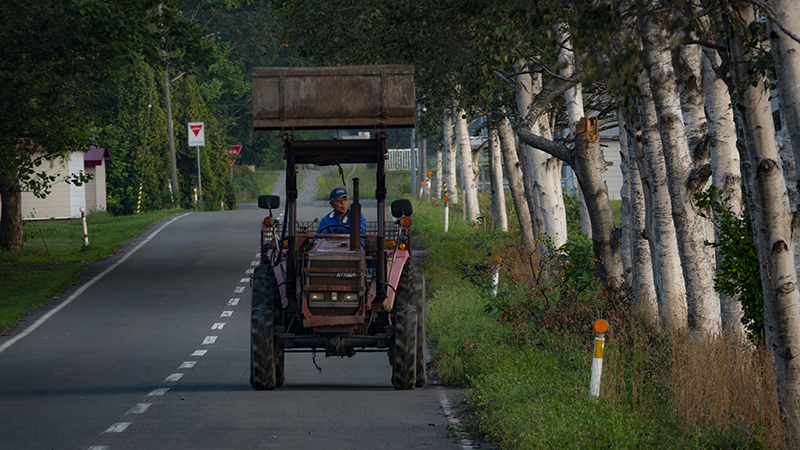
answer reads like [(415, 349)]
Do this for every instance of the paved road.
[(153, 353)]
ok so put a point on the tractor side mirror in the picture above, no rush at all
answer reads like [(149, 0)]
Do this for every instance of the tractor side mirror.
[(269, 201), (401, 208)]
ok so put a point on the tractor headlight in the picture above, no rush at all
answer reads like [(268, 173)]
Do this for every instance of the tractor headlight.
[(320, 296), (350, 296)]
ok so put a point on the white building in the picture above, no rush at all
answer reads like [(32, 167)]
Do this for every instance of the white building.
[(65, 199)]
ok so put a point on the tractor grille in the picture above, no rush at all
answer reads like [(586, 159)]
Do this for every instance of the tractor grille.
[(334, 283)]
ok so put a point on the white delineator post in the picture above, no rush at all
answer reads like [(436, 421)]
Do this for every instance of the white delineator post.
[(496, 275), (600, 328), (446, 213), (85, 230)]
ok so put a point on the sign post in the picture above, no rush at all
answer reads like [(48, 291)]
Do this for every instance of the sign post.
[(197, 138)]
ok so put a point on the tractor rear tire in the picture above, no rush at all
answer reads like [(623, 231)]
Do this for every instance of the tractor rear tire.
[(404, 368), (411, 291), (262, 327)]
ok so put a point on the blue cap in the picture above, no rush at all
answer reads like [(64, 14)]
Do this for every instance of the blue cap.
[(338, 193)]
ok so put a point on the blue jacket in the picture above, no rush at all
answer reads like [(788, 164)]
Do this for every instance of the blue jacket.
[(332, 219)]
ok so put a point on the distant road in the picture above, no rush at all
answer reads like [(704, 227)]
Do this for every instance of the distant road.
[(155, 355)]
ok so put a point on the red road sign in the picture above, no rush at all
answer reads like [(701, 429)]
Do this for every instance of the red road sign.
[(234, 150)]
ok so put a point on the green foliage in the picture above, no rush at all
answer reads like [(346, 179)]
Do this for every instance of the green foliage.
[(738, 275), (573, 213), (249, 185)]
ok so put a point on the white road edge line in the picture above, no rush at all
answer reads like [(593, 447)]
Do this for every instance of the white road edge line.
[(83, 289), (447, 408)]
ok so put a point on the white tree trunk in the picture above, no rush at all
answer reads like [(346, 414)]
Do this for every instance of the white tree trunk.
[(785, 53), (692, 94), (725, 171), (573, 99), (544, 195), (642, 275), (772, 226), (467, 171), (437, 193), (666, 259), (498, 194), (508, 143), (451, 185), (682, 181), (624, 193)]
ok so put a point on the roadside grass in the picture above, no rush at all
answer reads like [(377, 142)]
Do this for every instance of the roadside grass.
[(59, 242), (54, 256), (526, 355), (397, 182), (25, 289)]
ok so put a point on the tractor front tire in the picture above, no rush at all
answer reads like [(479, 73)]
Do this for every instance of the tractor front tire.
[(411, 291), (404, 367), (262, 326)]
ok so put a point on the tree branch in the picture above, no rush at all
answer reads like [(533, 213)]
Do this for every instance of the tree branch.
[(554, 88), (711, 45), (774, 19), (546, 145)]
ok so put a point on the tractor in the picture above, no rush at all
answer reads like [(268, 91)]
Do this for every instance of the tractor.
[(337, 293)]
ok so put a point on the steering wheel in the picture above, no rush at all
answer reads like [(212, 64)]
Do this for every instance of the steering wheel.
[(333, 225)]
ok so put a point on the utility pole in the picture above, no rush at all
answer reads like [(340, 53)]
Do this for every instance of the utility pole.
[(172, 160)]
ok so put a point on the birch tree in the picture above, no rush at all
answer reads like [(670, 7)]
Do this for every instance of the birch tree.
[(467, 167), (586, 159), (541, 191), (450, 148), (508, 143), (772, 221), (683, 180), (666, 259), (783, 28), (642, 277), (498, 194), (725, 165)]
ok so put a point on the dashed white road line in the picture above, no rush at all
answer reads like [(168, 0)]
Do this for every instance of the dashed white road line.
[(209, 340), (187, 364), (233, 302), (218, 326), (200, 353), (98, 447), (140, 408), (226, 314), (173, 377), (238, 289), (244, 280), (118, 427), (249, 271), (158, 392), (255, 263), (83, 288)]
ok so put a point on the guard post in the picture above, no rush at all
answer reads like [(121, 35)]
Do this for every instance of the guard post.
[(600, 328)]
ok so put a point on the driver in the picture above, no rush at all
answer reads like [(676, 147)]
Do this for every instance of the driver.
[(340, 203)]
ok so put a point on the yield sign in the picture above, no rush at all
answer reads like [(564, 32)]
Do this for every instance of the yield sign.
[(234, 150), (197, 134)]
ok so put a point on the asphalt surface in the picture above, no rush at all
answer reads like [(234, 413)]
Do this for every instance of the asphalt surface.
[(151, 351)]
